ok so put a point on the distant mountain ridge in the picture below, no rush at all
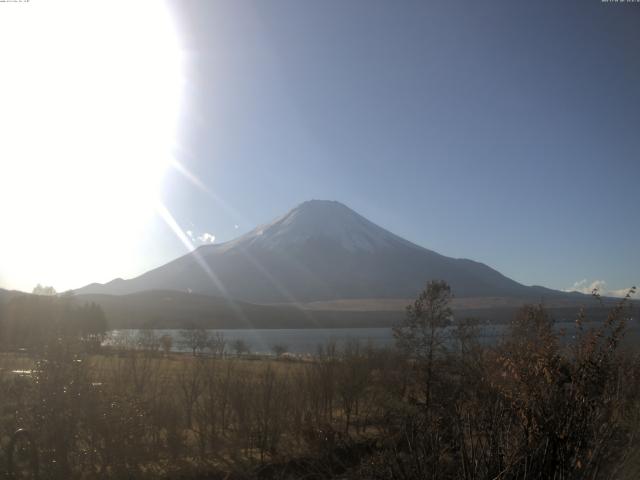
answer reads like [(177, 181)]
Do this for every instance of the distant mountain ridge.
[(321, 250), (6, 295), (172, 309)]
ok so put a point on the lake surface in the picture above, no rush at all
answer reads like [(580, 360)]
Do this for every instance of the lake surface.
[(307, 341), (296, 340)]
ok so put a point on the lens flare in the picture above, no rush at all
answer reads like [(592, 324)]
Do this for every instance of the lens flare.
[(90, 95)]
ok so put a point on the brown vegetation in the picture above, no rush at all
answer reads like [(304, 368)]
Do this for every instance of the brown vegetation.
[(537, 405)]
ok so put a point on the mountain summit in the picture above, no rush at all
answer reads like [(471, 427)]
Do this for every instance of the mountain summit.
[(320, 250), (321, 219)]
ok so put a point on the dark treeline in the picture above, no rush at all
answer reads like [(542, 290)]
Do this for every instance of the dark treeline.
[(34, 321), (534, 406)]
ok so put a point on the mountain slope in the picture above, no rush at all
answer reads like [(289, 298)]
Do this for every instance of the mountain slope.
[(6, 295), (321, 250)]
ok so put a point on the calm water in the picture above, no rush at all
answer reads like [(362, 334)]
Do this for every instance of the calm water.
[(306, 341), (298, 341)]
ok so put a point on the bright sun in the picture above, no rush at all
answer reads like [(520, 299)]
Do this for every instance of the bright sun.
[(89, 101)]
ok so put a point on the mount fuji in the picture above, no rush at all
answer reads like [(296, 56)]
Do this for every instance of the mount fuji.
[(319, 251)]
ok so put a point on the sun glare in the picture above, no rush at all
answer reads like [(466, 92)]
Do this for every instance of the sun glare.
[(89, 100)]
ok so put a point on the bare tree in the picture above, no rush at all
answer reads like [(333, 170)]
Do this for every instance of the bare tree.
[(148, 341), (420, 334), (195, 339), (191, 385), (217, 344), (241, 347), (166, 342)]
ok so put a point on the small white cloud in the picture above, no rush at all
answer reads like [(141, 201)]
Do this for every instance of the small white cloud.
[(236, 226), (207, 238), (584, 286), (202, 239), (623, 293)]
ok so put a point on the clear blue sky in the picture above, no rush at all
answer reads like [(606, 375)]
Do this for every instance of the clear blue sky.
[(503, 131)]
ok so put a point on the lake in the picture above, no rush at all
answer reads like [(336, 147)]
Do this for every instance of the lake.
[(260, 341), (305, 341)]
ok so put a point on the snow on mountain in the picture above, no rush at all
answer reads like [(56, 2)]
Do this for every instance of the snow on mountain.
[(317, 219), (320, 250)]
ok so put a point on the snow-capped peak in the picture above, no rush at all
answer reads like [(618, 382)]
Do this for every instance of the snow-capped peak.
[(321, 219)]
